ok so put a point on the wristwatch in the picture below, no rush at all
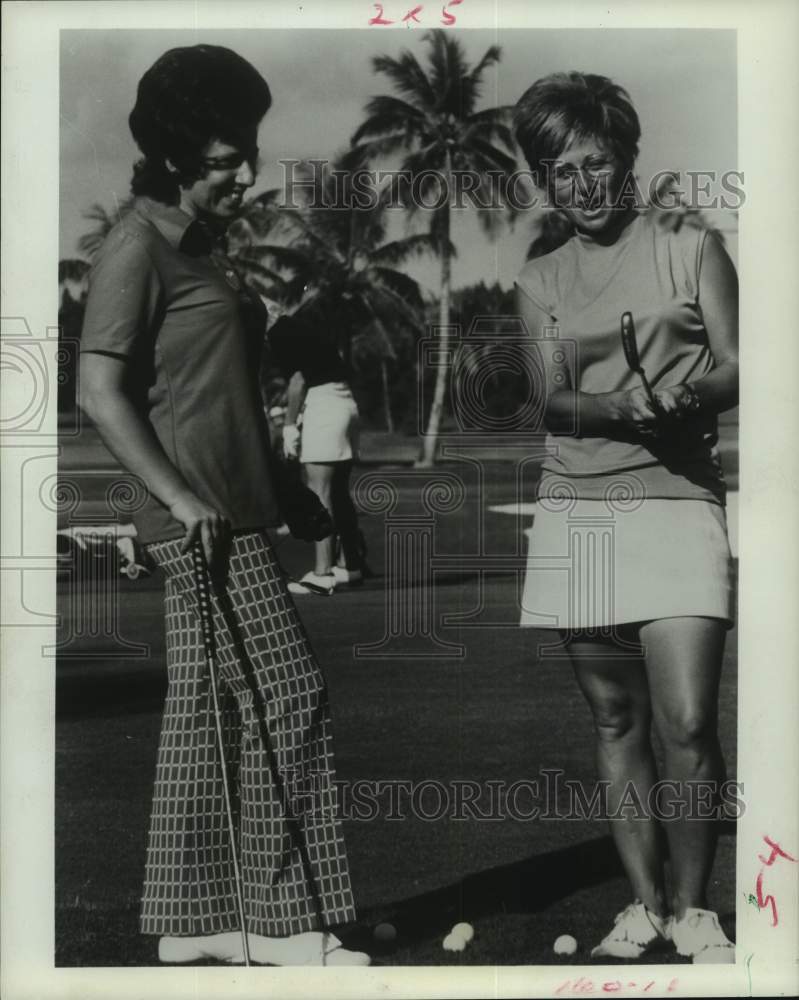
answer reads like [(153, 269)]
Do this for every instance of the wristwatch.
[(690, 401)]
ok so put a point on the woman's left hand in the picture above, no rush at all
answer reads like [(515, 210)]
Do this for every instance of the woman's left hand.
[(291, 440)]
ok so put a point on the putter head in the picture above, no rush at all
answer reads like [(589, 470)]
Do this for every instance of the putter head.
[(628, 342)]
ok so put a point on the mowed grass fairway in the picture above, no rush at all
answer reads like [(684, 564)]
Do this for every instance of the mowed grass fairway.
[(501, 713)]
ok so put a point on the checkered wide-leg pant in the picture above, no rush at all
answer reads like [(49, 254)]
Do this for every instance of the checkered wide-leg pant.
[(276, 724)]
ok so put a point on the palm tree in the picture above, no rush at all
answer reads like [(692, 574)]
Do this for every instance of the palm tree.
[(436, 129), (104, 222), (339, 254)]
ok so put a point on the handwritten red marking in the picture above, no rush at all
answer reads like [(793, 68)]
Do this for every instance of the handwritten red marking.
[(612, 987), (766, 900), (447, 18), (649, 985), (378, 18), (672, 986), (411, 15), (563, 986), (776, 851)]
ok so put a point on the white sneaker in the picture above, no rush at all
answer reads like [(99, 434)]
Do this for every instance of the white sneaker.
[(344, 575), (314, 583), (635, 930), (699, 936)]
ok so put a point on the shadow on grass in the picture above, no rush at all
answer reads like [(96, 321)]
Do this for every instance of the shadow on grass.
[(530, 886), (526, 886), (94, 936)]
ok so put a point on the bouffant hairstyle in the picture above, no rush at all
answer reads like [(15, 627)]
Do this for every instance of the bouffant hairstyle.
[(189, 97), (565, 107)]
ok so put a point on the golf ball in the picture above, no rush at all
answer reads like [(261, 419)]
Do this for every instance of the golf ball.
[(565, 945), (385, 933), (453, 942), (463, 931)]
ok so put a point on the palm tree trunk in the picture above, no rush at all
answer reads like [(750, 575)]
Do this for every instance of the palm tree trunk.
[(430, 442), (386, 396)]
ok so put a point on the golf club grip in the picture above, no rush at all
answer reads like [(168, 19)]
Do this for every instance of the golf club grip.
[(628, 342), (203, 585)]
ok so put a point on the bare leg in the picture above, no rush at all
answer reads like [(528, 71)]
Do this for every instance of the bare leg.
[(683, 663), (320, 480), (618, 694)]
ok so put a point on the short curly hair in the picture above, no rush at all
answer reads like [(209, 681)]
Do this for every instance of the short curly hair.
[(562, 107), (189, 97)]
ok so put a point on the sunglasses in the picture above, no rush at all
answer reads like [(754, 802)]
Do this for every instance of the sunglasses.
[(233, 160)]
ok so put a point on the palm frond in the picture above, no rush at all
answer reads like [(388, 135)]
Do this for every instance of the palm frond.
[(492, 55), (408, 77), (398, 251), (400, 284), (374, 144), (309, 228), (90, 243), (394, 113), (448, 68), (490, 126), (250, 267), (486, 156), (104, 221), (288, 257)]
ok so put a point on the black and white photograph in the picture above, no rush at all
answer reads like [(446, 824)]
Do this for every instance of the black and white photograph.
[(399, 518)]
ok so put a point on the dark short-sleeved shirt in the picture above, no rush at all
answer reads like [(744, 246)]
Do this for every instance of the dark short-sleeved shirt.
[(163, 298), (306, 343)]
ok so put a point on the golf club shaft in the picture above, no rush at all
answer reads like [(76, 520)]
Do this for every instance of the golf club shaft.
[(203, 584), (648, 389), (630, 347)]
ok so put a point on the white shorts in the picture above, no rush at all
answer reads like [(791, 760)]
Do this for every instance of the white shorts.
[(589, 566), (329, 424)]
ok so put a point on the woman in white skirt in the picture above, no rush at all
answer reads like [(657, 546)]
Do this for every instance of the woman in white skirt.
[(629, 557), (321, 430)]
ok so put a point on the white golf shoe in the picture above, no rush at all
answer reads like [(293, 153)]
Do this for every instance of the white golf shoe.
[(635, 931), (322, 584), (348, 577), (311, 948), (699, 936)]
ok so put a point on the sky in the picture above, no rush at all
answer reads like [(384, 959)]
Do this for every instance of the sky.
[(682, 83)]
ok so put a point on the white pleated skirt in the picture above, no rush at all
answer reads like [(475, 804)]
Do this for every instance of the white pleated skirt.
[(329, 424), (591, 564)]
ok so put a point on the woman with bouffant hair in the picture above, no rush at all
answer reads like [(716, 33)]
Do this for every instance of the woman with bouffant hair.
[(632, 495), (171, 356), (189, 96)]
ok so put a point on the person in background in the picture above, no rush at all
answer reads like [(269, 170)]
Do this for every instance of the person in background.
[(171, 357), (321, 431), (644, 620)]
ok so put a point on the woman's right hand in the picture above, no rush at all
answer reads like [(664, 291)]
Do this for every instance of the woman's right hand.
[(202, 523), (634, 410)]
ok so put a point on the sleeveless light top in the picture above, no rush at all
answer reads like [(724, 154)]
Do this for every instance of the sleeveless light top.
[(584, 287)]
